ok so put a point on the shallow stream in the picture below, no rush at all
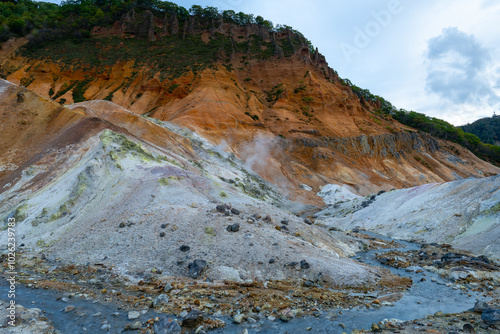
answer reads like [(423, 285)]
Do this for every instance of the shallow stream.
[(423, 298)]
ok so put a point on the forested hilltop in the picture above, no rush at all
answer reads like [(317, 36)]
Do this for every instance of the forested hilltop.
[(76, 18), (475, 137), (173, 38), (487, 129)]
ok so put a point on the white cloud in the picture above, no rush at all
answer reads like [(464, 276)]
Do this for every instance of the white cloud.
[(457, 69)]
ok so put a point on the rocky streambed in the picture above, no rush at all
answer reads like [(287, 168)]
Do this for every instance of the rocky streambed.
[(444, 286)]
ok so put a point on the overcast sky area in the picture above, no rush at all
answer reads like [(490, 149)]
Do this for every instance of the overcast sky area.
[(438, 57)]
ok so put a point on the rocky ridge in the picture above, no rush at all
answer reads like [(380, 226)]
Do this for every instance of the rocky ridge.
[(245, 94)]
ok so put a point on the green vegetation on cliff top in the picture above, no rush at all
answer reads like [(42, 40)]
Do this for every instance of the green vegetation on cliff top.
[(487, 129), (63, 34), (434, 126), (74, 19)]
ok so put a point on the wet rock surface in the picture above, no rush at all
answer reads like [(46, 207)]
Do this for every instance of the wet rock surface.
[(464, 322), (478, 273), (25, 320)]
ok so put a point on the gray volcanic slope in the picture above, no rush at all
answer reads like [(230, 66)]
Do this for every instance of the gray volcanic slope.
[(464, 213), (117, 199)]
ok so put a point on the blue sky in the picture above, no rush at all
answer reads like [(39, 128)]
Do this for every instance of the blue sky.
[(439, 57)]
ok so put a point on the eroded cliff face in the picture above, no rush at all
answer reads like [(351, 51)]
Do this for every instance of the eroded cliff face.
[(96, 183), (264, 97)]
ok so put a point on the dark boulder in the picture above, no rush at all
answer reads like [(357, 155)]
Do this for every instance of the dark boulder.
[(197, 267), (480, 306), (193, 319), (167, 326), (233, 228), (491, 316), (304, 264)]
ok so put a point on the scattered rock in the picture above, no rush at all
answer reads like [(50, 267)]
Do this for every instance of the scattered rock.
[(480, 306), (156, 271), (210, 231), (185, 248), (439, 314), (220, 208), (235, 211), (193, 319), (20, 97), (375, 327), (162, 234), (197, 267), (491, 316), (167, 326), (122, 225), (468, 328), (164, 225), (448, 257), (267, 219), (272, 260), (460, 275), (304, 264), (106, 327), (308, 283), (308, 221), (162, 299), (167, 288), (133, 315), (233, 228), (285, 221), (271, 318), (69, 308), (239, 318), (284, 318), (136, 325), (305, 187)]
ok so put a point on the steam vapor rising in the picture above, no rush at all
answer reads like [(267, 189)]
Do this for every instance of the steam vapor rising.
[(258, 156)]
